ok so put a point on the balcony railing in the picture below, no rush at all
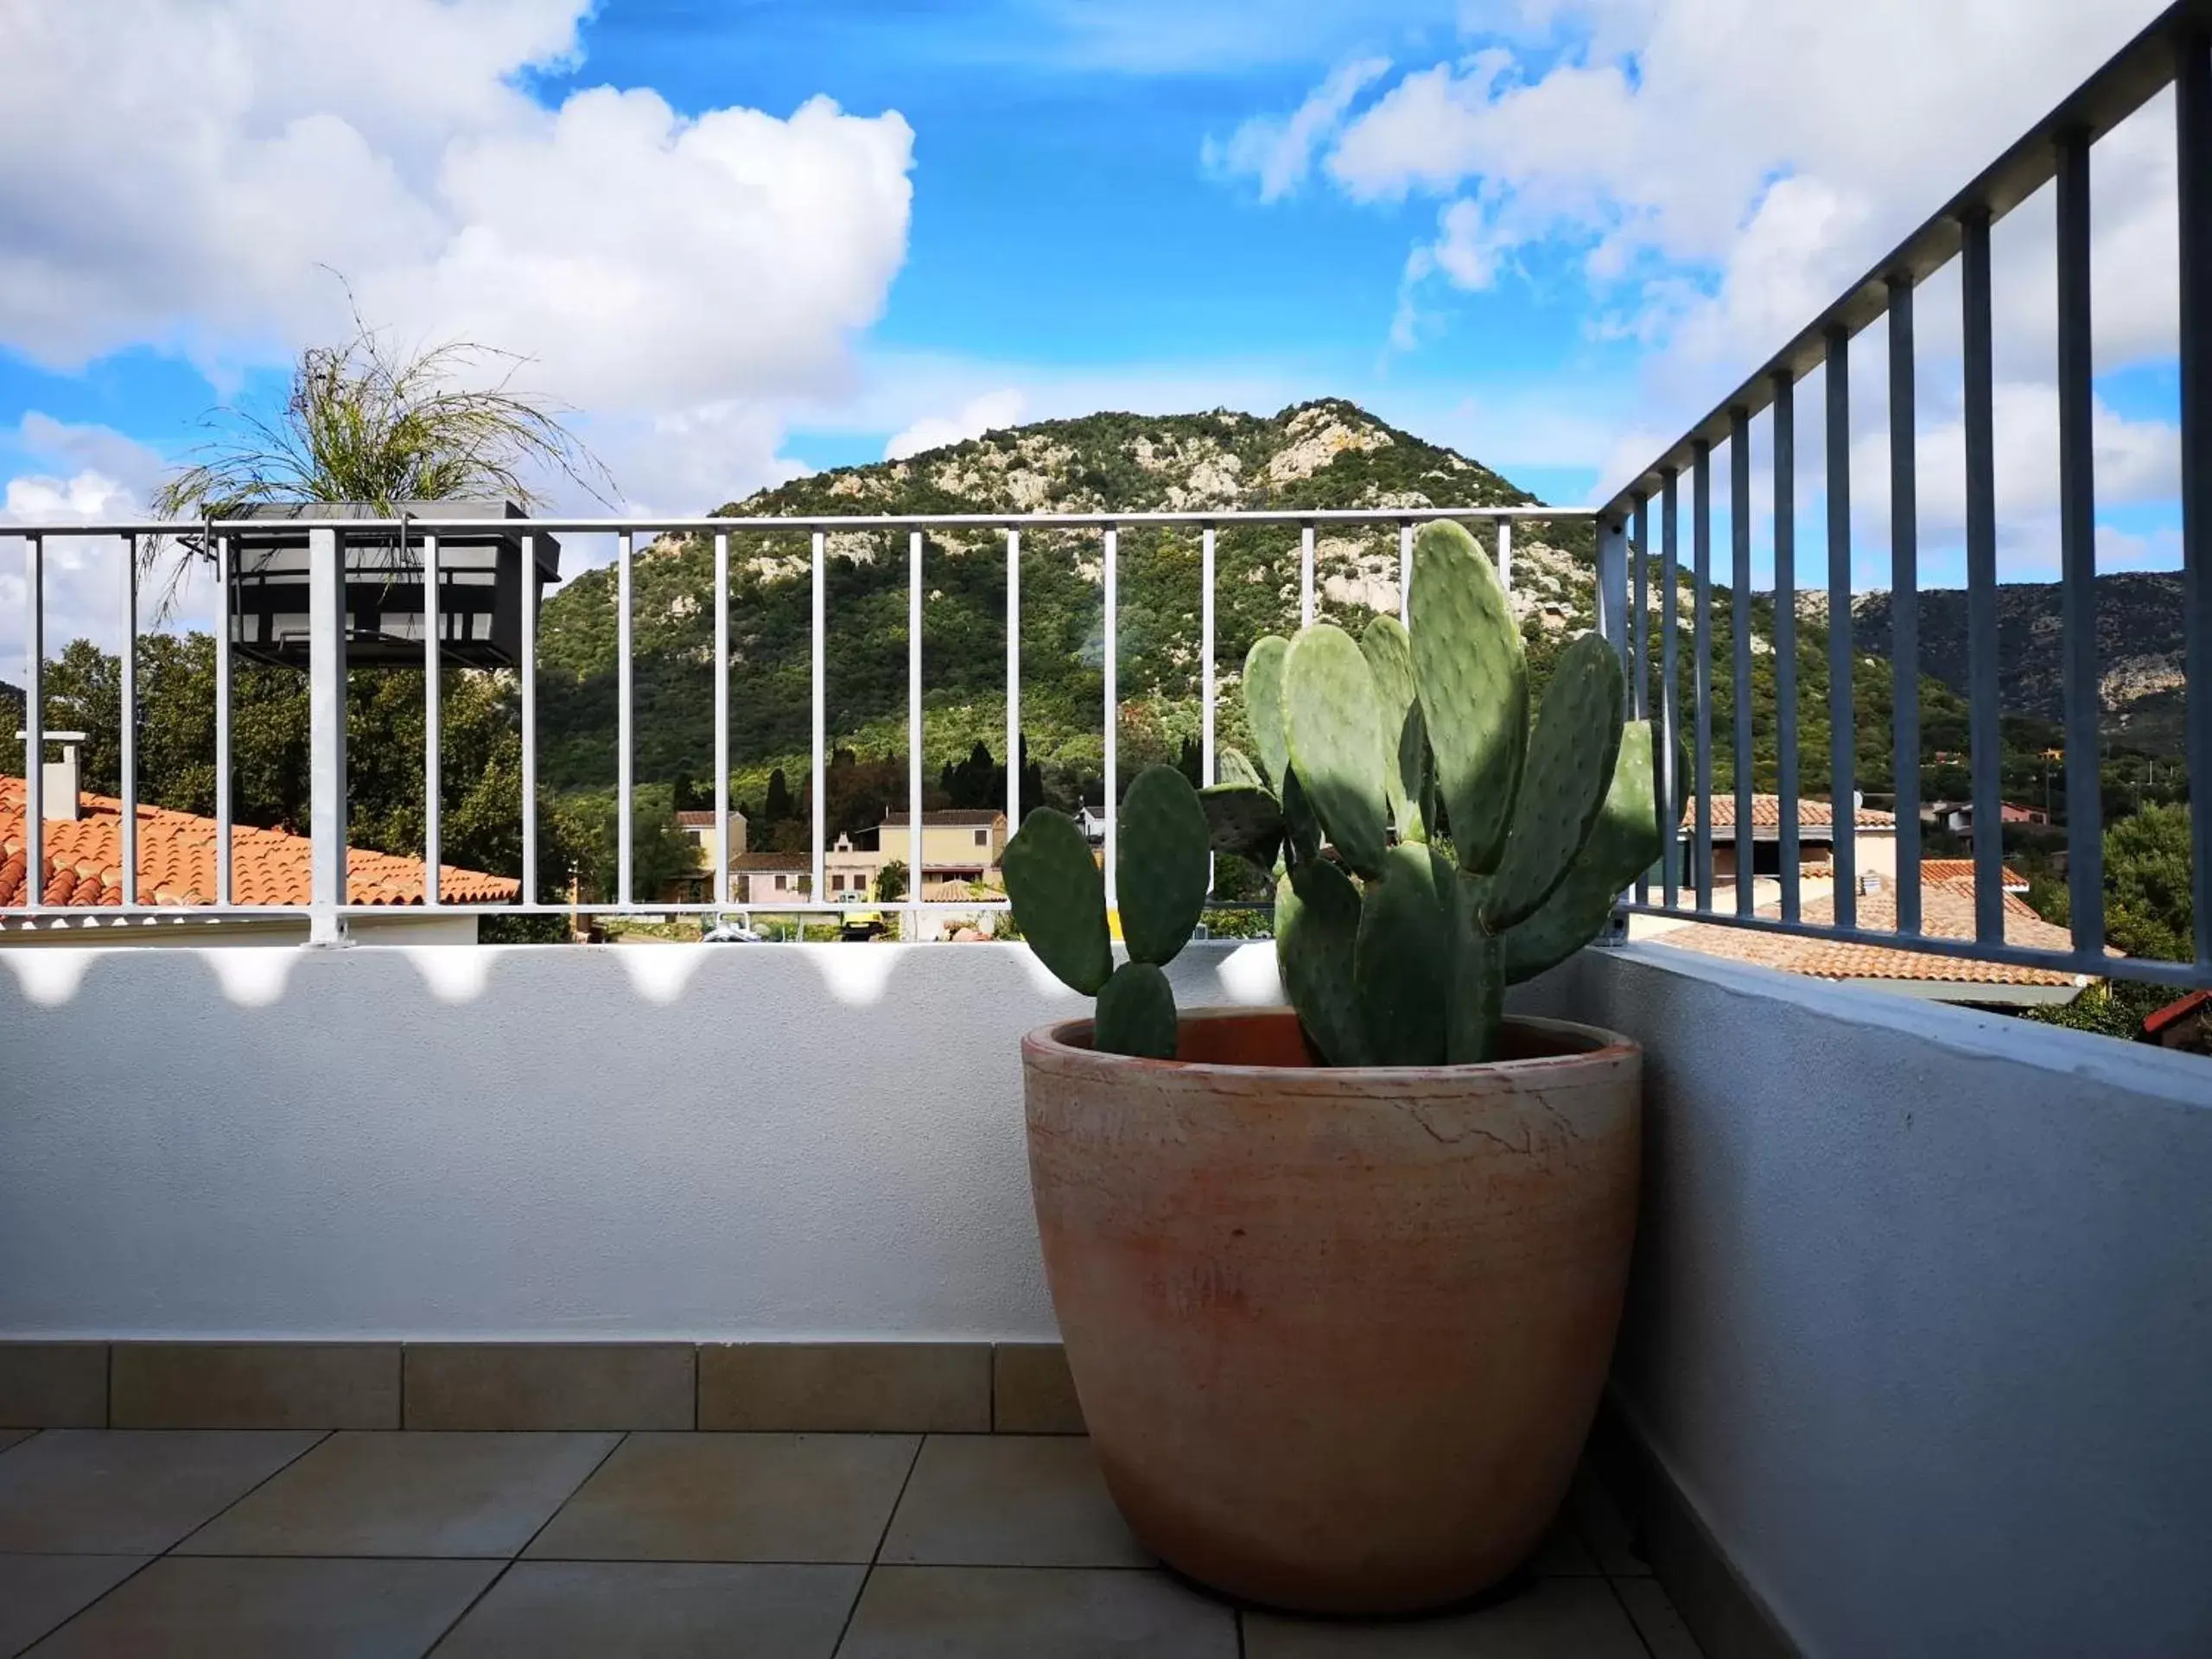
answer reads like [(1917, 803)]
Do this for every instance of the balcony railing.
[(2174, 52), (400, 542)]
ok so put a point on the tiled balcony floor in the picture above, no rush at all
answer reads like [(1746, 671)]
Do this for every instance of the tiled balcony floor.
[(243, 1544)]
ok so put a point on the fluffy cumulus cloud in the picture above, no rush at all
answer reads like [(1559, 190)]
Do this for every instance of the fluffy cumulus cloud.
[(180, 173), (991, 410), (1722, 168)]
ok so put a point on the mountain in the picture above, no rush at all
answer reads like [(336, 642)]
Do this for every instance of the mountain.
[(1322, 454), (2140, 650)]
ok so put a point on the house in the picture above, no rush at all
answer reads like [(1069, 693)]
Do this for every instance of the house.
[(700, 826), (2185, 1024), (1958, 816), (959, 844), (770, 879), (83, 855), (1961, 869), (1874, 845), (1092, 820), (1947, 911), (849, 872)]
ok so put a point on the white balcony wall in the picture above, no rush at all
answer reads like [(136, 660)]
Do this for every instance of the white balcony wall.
[(1921, 1323)]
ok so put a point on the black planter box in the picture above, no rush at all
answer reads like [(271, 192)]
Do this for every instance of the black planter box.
[(482, 586)]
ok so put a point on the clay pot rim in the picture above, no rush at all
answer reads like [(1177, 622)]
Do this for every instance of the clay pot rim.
[(1051, 1045)]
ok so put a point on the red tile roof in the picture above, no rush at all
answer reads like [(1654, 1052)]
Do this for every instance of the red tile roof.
[(693, 820), (1961, 869), (1766, 814), (1946, 912), (176, 862), (2158, 1021), (772, 862)]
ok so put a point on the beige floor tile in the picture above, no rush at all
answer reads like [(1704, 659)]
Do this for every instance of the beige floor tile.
[(1020, 1613), (521, 1385), (1009, 1500), (1032, 1392), (130, 1491), (1656, 1621), (15, 1436), (735, 1497), (263, 1609), (255, 1385), (1554, 1618), (37, 1593), (54, 1384), (1600, 1520), (690, 1610), (894, 1388), (408, 1494)]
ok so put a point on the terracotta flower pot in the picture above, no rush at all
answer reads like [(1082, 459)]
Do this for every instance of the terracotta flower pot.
[(1339, 1334)]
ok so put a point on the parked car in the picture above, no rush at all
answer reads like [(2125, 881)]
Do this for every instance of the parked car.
[(731, 933)]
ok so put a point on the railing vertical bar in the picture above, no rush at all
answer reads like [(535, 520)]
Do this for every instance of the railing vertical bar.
[(326, 734), (1740, 630), (1505, 554), (1405, 573), (1013, 680), (721, 718), (34, 724), (2193, 119), (1702, 592), (1205, 655), (622, 717), (1110, 628), (128, 763), (1843, 737), (433, 700), (220, 548), (1639, 682), (1904, 602), (1983, 721), (1670, 713), (528, 676), (2078, 538), (1785, 635), (1612, 589), (819, 665), (915, 845), (1305, 576)]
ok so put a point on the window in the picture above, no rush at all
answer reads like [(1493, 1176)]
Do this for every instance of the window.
[(783, 884), (983, 837)]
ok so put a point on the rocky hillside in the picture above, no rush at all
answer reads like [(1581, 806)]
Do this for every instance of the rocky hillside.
[(2140, 650), (1321, 454)]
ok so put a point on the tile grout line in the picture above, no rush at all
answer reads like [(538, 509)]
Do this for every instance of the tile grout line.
[(876, 1555), (621, 1439), (1628, 1613), (191, 1533)]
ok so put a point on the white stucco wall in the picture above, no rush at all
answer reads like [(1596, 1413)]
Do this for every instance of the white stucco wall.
[(686, 1142), (1922, 1316)]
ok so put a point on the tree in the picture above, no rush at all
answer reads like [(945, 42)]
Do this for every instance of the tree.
[(780, 804), (891, 882), (2148, 904)]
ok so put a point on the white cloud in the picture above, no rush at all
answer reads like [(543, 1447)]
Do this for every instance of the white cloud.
[(175, 171), (992, 410), (1278, 150)]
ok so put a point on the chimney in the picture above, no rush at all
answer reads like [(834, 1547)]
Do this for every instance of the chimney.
[(1869, 882), (59, 779)]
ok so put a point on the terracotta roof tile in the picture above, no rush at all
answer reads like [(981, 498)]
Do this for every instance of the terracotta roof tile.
[(1766, 814), (1961, 869), (176, 862), (1946, 912), (772, 862)]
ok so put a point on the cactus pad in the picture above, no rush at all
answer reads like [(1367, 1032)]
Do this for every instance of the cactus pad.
[(1474, 690), (1476, 1009), (1317, 930), (1570, 767), (1136, 1013), (1334, 724), (1301, 830), (1059, 900), (1389, 652), (1162, 865), (1231, 767), (1263, 705), (1401, 954), (1245, 820), (1625, 842)]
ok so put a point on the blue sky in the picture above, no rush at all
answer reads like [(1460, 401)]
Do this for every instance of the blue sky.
[(1548, 232)]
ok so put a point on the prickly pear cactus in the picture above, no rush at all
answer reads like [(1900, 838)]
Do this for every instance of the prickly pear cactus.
[(1059, 896), (1394, 952)]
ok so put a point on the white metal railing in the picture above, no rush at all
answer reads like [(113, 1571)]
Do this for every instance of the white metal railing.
[(328, 908)]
